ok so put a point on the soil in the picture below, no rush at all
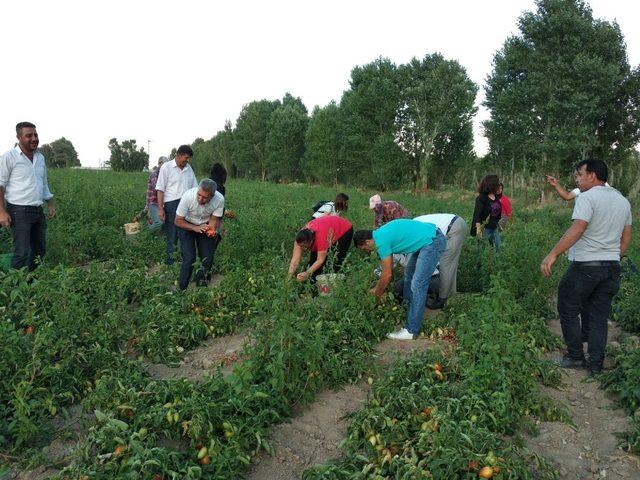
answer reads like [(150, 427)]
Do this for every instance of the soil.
[(314, 433), (589, 449), (214, 353)]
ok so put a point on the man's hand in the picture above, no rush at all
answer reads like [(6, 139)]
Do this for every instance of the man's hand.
[(51, 210), (374, 292), (204, 228), (302, 276), (479, 232), (5, 219), (161, 214), (545, 266), (553, 181)]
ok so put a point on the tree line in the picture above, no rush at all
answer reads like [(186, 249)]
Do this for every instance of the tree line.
[(560, 89)]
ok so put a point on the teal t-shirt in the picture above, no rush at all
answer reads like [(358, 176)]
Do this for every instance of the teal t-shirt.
[(403, 236)]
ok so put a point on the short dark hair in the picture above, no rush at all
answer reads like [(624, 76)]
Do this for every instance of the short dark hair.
[(184, 150), (305, 236), (489, 184), (218, 173), (597, 166), (341, 202), (22, 125), (361, 236)]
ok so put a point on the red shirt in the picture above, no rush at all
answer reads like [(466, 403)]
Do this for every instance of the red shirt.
[(328, 229), (506, 205)]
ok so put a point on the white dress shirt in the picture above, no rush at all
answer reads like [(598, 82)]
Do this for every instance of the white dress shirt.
[(24, 181), (193, 212), (440, 220), (174, 181)]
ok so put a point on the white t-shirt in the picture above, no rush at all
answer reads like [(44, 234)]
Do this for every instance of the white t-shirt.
[(607, 213), (326, 209), (440, 220), (576, 191), (174, 181), (193, 212)]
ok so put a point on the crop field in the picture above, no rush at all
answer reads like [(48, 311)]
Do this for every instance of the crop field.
[(77, 339)]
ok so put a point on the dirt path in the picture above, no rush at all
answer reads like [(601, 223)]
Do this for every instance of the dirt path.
[(314, 433), (213, 353), (588, 451)]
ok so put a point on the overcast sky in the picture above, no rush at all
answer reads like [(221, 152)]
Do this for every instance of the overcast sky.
[(171, 71)]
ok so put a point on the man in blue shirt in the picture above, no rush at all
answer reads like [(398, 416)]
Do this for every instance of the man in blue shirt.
[(424, 243)]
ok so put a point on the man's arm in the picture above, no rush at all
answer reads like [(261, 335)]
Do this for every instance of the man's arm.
[(161, 214), (5, 219), (564, 194), (385, 276), (625, 240), (570, 237), (183, 224)]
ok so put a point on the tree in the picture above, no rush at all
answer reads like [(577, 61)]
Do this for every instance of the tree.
[(222, 146), (126, 156), (562, 89), (285, 139), (250, 138), (434, 119), (60, 154), (369, 110), (324, 139)]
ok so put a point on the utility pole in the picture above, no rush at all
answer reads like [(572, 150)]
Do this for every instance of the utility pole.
[(149, 148)]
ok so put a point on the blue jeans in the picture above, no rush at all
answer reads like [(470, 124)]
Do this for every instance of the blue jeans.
[(588, 291), (206, 246), (29, 230), (156, 223), (172, 231), (493, 236), (417, 275)]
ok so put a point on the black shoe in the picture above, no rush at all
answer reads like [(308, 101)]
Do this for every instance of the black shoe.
[(436, 304), (567, 362)]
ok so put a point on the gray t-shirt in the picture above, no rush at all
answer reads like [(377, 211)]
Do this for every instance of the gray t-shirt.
[(607, 212)]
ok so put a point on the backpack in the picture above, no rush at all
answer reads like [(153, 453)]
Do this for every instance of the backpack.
[(319, 204)]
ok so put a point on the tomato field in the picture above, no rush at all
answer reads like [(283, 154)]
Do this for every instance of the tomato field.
[(82, 328)]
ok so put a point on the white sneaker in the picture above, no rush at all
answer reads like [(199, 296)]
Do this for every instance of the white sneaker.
[(402, 334)]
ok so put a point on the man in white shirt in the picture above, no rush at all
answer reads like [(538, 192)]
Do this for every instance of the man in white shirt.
[(24, 187), (454, 228), (175, 178), (599, 236), (198, 219)]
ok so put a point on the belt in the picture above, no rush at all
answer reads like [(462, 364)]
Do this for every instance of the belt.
[(25, 207), (596, 263), (455, 217)]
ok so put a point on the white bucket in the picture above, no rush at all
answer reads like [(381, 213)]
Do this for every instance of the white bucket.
[(327, 281), (132, 228)]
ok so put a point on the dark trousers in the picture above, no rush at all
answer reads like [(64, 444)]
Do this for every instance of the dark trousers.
[(29, 230), (205, 246), (587, 291), (341, 247), (172, 231)]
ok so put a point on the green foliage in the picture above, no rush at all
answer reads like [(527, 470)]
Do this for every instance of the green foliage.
[(434, 120), (322, 159), (285, 140), (60, 153), (126, 157), (250, 138), (562, 89)]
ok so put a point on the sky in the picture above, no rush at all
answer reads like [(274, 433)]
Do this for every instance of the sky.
[(167, 72)]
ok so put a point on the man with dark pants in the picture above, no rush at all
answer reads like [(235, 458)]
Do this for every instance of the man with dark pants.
[(24, 187), (175, 178), (424, 243), (598, 237), (198, 219)]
